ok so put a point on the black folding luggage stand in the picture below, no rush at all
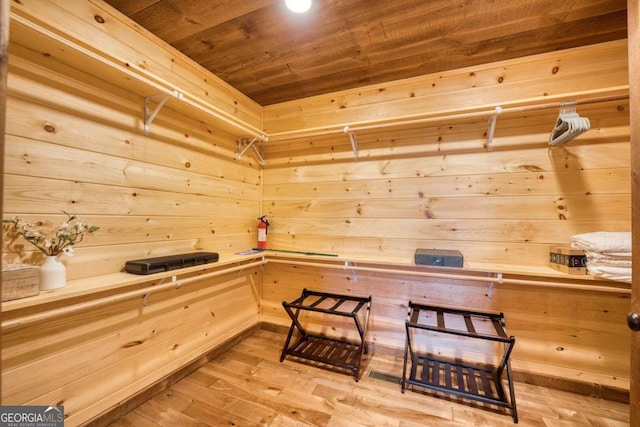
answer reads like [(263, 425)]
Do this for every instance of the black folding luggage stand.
[(331, 351), (469, 380)]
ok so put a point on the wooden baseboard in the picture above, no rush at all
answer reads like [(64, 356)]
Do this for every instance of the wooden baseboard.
[(558, 383), (585, 388), (113, 414)]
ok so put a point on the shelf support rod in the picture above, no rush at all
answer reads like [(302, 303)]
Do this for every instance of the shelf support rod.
[(244, 144), (354, 142), (150, 116), (255, 148), (499, 281), (492, 127), (244, 141), (354, 271)]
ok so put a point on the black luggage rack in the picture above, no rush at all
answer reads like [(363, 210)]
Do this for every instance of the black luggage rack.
[(476, 381), (336, 352)]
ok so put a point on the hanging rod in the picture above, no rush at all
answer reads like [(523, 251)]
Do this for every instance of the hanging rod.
[(289, 135), (145, 292), (444, 275)]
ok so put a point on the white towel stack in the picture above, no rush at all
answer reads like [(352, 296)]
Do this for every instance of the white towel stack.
[(608, 253)]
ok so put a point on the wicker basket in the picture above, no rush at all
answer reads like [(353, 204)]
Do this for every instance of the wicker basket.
[(20, 281)]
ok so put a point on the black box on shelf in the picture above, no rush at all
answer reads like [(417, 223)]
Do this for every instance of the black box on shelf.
[(568, 260), (170, 262), (439, 258)]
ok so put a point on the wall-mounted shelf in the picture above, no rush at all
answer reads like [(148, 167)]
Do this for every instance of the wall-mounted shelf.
[(492, 114), (491, 274), (484, 273), (35, 33), (98, 285)]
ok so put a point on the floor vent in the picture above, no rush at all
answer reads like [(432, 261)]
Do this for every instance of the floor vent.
[(383, 376)]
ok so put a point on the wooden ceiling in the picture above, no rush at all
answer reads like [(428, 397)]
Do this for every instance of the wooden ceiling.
[(274, 55)]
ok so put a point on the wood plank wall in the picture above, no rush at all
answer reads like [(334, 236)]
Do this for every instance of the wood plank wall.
[(569, 339), (80, 149), (75, 142), (437, 186), (633, 22), (4, 65)]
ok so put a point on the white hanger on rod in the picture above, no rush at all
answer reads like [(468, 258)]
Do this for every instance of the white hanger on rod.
[(568, 125)]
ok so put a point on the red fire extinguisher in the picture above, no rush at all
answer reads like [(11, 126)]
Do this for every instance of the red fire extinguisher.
[(262, 232)]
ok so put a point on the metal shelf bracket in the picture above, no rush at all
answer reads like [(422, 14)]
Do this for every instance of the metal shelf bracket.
[(499, 280), (354, 142), (354, 271), (149, 115), (244, 143), (492, 127)]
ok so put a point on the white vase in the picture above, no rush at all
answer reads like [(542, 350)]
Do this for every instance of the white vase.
[(53, 274)]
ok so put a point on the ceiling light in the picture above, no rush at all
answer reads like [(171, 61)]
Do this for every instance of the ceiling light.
[(298, 6)]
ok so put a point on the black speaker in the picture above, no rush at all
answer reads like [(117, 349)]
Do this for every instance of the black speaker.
[(170, 262)]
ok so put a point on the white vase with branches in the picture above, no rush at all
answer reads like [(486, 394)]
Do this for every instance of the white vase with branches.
[(53, 273)]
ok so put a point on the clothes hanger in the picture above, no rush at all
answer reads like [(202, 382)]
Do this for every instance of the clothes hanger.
[(568, 125)]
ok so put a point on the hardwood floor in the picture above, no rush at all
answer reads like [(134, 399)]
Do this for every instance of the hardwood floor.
[(248, 386)]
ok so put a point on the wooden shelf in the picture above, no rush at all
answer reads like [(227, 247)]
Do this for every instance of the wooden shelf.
[(469, 114), (402, 262), (37, 33), (95, 285), (114, 284), (486, 272)]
